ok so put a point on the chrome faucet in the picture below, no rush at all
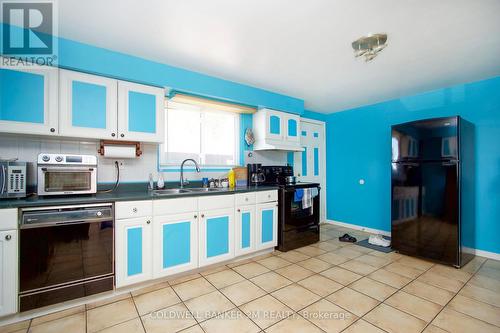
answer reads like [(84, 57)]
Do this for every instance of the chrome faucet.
[(185, 181)]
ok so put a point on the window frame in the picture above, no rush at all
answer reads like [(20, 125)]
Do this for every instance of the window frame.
[(163, 165)]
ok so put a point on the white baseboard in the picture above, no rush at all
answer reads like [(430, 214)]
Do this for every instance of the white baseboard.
[(480, 253), (358, 227)]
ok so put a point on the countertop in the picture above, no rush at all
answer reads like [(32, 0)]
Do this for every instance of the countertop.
[(124, 192)]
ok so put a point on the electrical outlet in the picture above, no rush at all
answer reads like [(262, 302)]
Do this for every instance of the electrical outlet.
[(121, 165)]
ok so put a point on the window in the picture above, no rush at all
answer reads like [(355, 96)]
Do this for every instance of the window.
[(209, 136)]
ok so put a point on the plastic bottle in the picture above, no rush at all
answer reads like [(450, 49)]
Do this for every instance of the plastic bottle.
[(161, 182), (232, 181)]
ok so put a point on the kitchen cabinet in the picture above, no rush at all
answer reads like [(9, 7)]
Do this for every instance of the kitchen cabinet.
[(28, 100), (8, 262), (133, 250), (175, 243), (244, 234), (140, 112), (276, 130), (267, 225), (216, 230), (93, 106), (87, 105)]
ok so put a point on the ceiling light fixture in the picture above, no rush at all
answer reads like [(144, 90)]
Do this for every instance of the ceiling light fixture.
[(369, 46)]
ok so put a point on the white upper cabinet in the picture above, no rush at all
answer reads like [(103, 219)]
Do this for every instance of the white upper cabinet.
[(140, 112), (88, 106), (276, 130), (28, 100)]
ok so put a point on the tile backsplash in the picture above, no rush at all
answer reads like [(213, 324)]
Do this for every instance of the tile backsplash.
[(26, 149)]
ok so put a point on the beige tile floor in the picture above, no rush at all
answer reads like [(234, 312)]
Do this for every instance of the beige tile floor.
[(327, 287)]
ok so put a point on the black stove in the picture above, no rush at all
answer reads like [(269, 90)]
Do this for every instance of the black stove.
[(298, 220)]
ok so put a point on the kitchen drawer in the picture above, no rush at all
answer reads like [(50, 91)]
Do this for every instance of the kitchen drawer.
[(9, 219), (128, 209), (245, 199), (267, 196), (175, 206), (215, 202)]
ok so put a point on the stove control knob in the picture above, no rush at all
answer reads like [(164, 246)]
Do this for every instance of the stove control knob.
[(99, 213), (45, 158), (59, 158)]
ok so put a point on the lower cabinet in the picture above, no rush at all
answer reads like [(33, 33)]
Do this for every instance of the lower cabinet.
[(216, 232), (244, 233), (175, 243), (267, 225), (8, 271), (133, 250)]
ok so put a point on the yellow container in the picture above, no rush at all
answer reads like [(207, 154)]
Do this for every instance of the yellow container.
[(232, 181)]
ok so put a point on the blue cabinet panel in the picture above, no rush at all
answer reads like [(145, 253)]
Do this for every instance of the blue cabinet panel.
[(275, 125), (176, 244), (316, 134), (304, 133), (245, 230), (134, 251), (316, 161), (217, 236), (88, 105), (292, 127), (21, 96), (289, 158), (267, 225), (304, 162), (141, 112)]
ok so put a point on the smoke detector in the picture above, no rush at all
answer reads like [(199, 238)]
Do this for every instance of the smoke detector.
[(369, 46)]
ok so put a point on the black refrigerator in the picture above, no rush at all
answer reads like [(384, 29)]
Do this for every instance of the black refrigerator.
[(432, 186)]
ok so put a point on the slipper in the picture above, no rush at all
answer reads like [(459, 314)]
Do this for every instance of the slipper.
[(347, 238)]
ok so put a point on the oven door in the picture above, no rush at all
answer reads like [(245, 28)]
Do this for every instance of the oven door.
[(295, 216), (58, 254), (67, 180)]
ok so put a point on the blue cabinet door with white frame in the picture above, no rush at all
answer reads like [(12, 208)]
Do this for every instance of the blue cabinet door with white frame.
[(175, 243), (216, 232), (274, 125), (88, 105), (133, 250), (267, 225), (292, 128), (28, 100), (141, 112), (244, 232)]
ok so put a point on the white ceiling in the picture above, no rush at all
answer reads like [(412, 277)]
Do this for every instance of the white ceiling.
[(302, 48)]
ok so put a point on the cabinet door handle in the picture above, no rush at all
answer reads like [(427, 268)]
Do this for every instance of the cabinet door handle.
[(239, 210), (113, 135), (202, 215), (134, 210), (122, 135), (196, 216), (8, 237), (52, 129), (148, 221)]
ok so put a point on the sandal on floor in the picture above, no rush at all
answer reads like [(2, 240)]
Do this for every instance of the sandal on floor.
[(347, 238)]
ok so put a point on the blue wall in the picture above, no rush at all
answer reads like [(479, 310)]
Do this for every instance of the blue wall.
[(359, 146)]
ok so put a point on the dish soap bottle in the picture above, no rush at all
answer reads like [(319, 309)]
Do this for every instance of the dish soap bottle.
[(161, 182), (231, 179), (151, 182)]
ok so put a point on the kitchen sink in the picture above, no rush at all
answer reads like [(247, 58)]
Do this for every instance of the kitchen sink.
[(205, 189), (170, 191)]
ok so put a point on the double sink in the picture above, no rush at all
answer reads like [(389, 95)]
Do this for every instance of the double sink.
[(171, 191)]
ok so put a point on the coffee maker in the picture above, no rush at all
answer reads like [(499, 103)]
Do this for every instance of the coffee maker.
[(255, 174)]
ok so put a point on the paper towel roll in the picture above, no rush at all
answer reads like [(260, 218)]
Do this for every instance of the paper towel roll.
[(113, 151)]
